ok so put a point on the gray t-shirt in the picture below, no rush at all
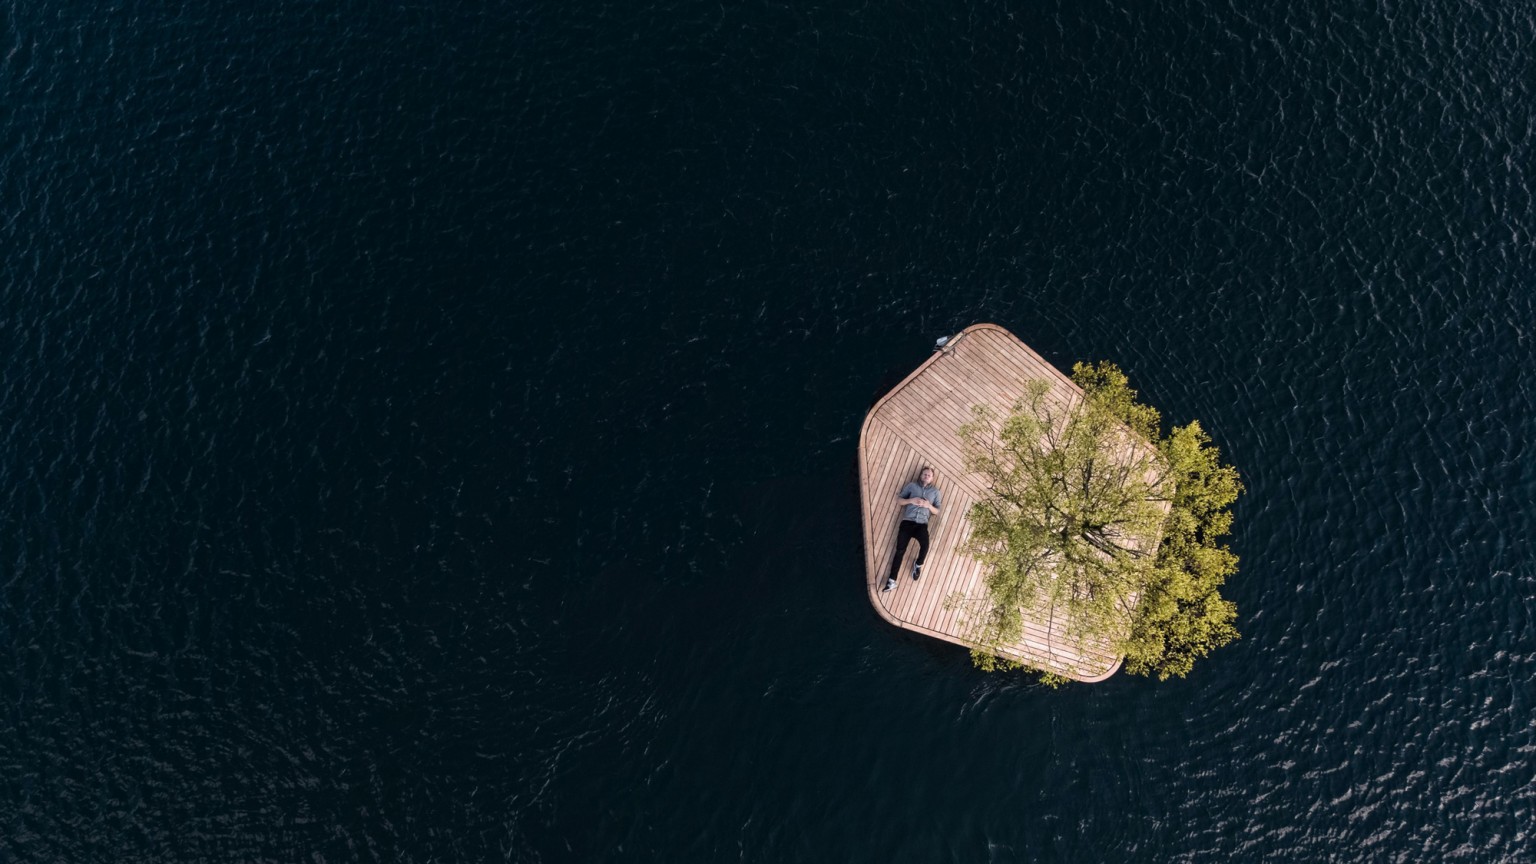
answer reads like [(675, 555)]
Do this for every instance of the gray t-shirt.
[(914, 512)]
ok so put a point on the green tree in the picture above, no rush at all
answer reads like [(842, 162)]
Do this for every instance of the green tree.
[(1095, 518)]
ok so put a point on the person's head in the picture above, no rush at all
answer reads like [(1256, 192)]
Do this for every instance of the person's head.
[(925, 476)]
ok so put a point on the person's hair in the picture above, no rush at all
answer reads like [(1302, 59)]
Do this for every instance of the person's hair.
[(926, 468)]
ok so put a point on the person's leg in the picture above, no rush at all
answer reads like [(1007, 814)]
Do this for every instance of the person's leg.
[(904, 536), (921, 533)]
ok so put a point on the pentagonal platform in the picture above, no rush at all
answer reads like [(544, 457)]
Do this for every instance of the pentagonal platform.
[(918, 423)]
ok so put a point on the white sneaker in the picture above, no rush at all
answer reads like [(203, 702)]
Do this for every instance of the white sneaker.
[(889, 584)]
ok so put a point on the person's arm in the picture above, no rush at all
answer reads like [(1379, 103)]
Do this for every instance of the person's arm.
[(901, 497), (921, 502)]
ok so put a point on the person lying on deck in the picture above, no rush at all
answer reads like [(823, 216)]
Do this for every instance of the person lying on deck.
[(919, 499)]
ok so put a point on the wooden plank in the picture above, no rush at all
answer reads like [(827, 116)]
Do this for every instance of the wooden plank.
[(1005, 350), (886, 447), (882, 505), (918, 422), (937, 428), (913, 599), (933, 409), (959, 573), (879, 496), (941, 557), (885, 442), (1015, 367)]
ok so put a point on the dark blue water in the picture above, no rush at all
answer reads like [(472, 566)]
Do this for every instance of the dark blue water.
[(427, 431)]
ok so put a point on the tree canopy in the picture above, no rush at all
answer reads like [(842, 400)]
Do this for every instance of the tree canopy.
[(1096, 519)]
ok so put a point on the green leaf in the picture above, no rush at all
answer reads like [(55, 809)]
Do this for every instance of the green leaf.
[(1093, 513)]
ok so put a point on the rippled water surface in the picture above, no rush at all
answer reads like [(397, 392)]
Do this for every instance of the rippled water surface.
[(428, 429)]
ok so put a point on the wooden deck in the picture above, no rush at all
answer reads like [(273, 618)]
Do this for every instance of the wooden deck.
[(917, 423)]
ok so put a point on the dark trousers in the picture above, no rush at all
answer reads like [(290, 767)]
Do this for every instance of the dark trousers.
[(907, 532)]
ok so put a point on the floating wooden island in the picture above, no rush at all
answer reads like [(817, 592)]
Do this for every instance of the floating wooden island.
[(917, 424)]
